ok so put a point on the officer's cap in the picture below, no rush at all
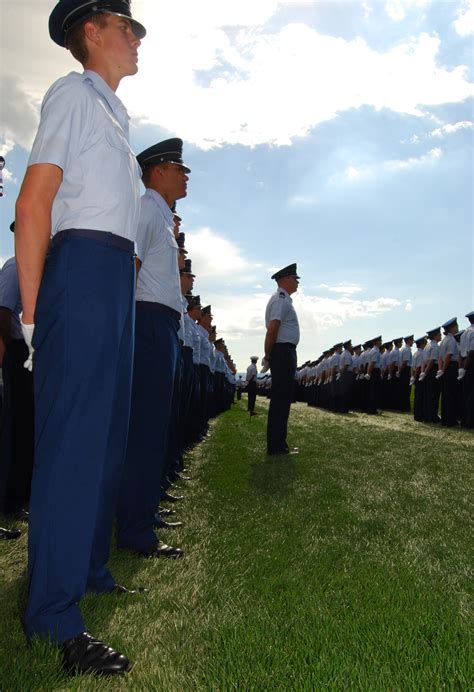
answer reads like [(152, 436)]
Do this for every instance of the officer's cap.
[(420, 340), (254, 359), (12, 227), (458, 335), (372, 341), (219, 342), (387, 344), (176, 216), (206, 310), (398, 340), (356, 347), (187, 268), (168, 151), (290, 270), (470, 315), (193, 301), (338, 345), (449, 323), (68, 13), (346, 344), (181, 240), (434, 331), (408, 337)]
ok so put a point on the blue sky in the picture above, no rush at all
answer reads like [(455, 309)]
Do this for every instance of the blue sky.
[(335, 134)]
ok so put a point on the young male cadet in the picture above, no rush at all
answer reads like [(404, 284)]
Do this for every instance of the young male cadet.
[(81, 187), (157, 347), (466, 373), (431, 386), (281, 340), (448, 365), (251, 378)]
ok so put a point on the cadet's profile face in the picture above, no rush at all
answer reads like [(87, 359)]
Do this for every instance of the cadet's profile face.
[(120, 45), (177, 180)]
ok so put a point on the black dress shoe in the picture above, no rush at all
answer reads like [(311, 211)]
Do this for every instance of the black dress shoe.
[(120, 590), (86, 654), (160, 549), (166, 497), (8, 534), (164, 511), (180, 477), (162, 524)]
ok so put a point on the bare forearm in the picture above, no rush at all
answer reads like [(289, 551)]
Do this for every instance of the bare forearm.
[(33, 230)]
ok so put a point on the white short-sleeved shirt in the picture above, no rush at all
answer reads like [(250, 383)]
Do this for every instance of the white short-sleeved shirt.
[(449, 345), (346, 359), (406, 355), (220, 362), (467, 341), (431, 351), (196, 340), (375, 357), (158, 278), (10, 296), (205, 351), (186, 324), (84, 130), (394, 356), (251, 373), (280, 307), (417, 358)]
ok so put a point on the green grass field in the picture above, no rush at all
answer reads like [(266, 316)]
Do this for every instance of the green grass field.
[(346, 566)]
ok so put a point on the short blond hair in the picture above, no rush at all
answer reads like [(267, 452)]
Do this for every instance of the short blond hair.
[(76, 40)]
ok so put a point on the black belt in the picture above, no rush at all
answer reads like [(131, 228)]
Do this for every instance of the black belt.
[(285, 344), (187, 348), (101, 236), (158, 307)]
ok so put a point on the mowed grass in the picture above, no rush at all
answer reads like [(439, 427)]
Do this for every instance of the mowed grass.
[(346, 566)]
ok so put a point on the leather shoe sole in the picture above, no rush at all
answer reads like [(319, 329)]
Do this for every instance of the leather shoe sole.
[(166, 497), (165, 512), (120, 590), (160, 549), (162, 524), (86, 654)]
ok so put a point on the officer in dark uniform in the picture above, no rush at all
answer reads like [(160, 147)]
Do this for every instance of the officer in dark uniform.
[(281, 339)]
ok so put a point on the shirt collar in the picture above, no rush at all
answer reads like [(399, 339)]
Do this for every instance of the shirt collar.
[(285, 292), (113, 101), (161, 204)]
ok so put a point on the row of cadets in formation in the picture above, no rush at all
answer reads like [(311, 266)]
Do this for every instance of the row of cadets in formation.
[(380, 375), (111, 416)]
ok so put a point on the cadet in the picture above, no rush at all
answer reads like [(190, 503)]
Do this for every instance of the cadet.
[(405, 374), (346, 377), (158, 318), (428, 376), (416, 369), (203, 327), (81, 186), (281, 339), (17, 418), (373, 376), (448, 364), (467, 374), (251, 379)]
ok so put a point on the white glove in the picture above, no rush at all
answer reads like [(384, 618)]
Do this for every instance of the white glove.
[(266, 365), (27, 331), (412, 380), (338, 376), (389, 377), (461, 373), (422, 376), (367, 377), (397, 374), (439, 374), (330, 379)]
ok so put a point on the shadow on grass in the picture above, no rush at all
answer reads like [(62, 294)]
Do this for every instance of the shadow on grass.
[(274, 477)]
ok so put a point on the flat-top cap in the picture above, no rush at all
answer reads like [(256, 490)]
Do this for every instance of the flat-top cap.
[(346, 344), (470, 314), (376, 338), (420, 340), (254, 359), (290, 270), (450, 323), (408, 337), (206, 310), (68, 13), (434, 331), (187, 269), (168, 151)]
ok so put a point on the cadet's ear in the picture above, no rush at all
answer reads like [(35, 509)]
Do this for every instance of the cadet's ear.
[(92, 32)]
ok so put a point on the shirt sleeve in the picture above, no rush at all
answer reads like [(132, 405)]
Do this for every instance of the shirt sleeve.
[(144, 232), (278, 309), (63, 128), (9, 288)]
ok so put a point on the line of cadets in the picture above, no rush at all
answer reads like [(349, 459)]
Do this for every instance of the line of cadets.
[(380, 375)]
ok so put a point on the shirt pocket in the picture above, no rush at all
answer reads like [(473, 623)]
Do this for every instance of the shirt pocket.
[(117, 140)]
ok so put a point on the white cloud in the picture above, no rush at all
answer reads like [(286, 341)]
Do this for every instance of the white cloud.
[(343, 288), (451, 129), (224, 74), (302, 201), (464, 24), (408, 306), (365, 171), (398, 9), (215, 257)]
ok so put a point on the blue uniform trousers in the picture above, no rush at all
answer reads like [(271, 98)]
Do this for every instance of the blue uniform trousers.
[(154, 366), (283, 368), (83, 344)]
